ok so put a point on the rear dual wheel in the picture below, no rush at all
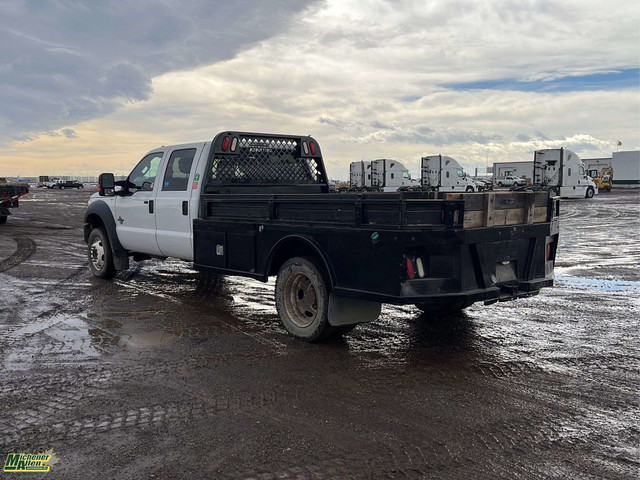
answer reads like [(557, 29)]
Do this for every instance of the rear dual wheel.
[(302, 301)]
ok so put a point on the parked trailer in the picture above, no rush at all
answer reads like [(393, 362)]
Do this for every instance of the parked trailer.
[(10, 194), (627, 167), (258, 205), (445, 174)]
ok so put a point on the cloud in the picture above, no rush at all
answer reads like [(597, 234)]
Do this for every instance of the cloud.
[(68, 61), (368, 79)]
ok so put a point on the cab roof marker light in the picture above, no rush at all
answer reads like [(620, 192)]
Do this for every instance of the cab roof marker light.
[(225, 144), (234, 144)]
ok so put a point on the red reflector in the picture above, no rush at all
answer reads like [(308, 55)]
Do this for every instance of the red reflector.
[(312, 147), (411, 273), (225, 144), (548, 251)]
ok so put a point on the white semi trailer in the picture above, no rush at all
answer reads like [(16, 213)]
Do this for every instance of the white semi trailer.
[(562, 172), (446, 175), (383, 174), (626, 166)]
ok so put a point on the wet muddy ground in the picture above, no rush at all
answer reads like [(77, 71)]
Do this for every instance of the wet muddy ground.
[(161, 373)]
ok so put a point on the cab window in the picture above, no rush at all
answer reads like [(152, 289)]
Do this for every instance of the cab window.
[(176, 177), (581, 170), (144, 175), (406, 175), (460, 173)]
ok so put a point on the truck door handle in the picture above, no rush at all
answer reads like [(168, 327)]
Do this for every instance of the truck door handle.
[(185, 207), (150, 206)]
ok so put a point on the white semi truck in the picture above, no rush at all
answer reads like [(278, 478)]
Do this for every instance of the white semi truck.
[(446, 175), (562, 172), (383, 174)]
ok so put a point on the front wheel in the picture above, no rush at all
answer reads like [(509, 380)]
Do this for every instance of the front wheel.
[(100, 254), (469, 189), (499, 184), (302, 300), (589, 193)]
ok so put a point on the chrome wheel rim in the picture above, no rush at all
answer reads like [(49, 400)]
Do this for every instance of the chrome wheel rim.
[(301, 300), (97, 254)]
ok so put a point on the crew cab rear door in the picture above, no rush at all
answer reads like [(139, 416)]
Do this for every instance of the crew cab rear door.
[(174, 214)]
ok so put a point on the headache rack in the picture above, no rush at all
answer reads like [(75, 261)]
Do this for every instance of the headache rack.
[(260, 162)]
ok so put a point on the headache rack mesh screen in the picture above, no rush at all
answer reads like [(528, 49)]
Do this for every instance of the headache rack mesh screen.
[(265, 161)]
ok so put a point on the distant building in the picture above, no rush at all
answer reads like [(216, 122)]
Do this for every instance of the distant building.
[(597, 163), (626, 169)]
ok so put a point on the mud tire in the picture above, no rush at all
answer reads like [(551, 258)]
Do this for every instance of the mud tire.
[(302, 300), (100, 254)]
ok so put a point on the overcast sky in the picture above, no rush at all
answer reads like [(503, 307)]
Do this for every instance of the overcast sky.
[(90, 86)]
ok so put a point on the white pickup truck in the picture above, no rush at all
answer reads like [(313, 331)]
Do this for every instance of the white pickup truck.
[(258, 205)]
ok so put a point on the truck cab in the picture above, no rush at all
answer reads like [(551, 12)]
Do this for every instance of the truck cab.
[(445, 174), (562, 172), (382, 175)]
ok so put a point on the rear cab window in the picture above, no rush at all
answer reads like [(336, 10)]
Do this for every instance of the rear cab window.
[(176, 177)]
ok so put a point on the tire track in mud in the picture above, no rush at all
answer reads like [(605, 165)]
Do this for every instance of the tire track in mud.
[(49, 397), (25, 432), (432, 458), (26, 248)]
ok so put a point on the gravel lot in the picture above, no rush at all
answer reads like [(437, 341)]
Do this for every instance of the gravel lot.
[(163, 374)]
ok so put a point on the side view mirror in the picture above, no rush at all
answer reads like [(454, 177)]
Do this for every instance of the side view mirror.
[(106, 184)]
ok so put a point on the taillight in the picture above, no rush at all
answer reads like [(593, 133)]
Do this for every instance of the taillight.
[(225, 144), (312, 147), (411, 273), (548, 251), (420, 267)]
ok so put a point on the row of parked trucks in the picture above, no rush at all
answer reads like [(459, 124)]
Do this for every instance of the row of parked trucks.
[(559, 171)]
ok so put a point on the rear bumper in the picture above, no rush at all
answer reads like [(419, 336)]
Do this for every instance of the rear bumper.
[(499, 293)]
